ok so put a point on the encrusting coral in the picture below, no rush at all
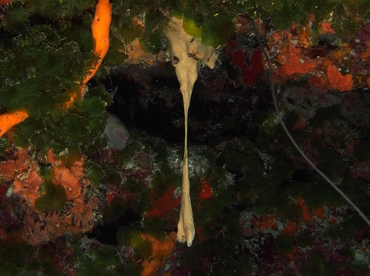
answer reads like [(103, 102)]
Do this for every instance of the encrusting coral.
[(55, 206), (186, 53)]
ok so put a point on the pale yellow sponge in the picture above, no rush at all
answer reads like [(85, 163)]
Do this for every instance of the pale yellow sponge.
[(186, 54)]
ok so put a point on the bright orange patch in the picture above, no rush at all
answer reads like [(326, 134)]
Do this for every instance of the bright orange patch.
[(306, 214), (161, 251), (366, 54), (300, 124), (268, 221), (325, 27), (291, 254), (338, 81), (4, 2), (165, 203), (300, 202), (319, 212), (303, 39), (206, 191), (368, 82), (289, 227), (295, 63), (8, 120), (100, 32)]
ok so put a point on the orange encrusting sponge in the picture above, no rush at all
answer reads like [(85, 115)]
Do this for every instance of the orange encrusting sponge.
[(8, 120), (100, 32)]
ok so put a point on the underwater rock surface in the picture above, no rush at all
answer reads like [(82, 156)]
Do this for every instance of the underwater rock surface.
[(70, 205)]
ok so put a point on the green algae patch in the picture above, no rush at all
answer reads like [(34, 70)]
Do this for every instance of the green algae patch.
[(316, 264), (284, 245), (357, 269), (47, 173), (130, 32), (128, 237), (53, 197), (16, 259), (115, 55), (190, 28), (94, 172), (3, 145), (100, 259), (69, 156), (93, 107), (305, 240), (217, 30), (155, 23)]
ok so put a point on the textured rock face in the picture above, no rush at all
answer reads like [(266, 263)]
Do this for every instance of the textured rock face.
[(116, 133)]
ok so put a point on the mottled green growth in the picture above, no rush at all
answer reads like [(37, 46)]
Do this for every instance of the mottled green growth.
[(324, 115), (115, 55), (347, 252), (82, 35), (270, 125), (316, 264), (94, 172), (130, 31), (228, 123), (35, 65), (154, 226), (316, 193), (234, 159), (287, 210), (100, 259), (155, 24), (69, 156), (161, 151), (116, 209), (3, 145), (268, 200), (358, 269), (16, 258), (16, 17), (100, 92), (93, 107), (128, 237), (60, 8), (47, 173), (284, 245), (351, 223), (217, 30), (124, 235), (165, 178), (247, 265), (345, 26), (362, 152), (74, 127), (111, 175), (305, 240), (22, 134), (53, 197)]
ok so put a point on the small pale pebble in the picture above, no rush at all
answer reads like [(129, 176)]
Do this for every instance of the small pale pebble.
[(116, 133), (10, 191)]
